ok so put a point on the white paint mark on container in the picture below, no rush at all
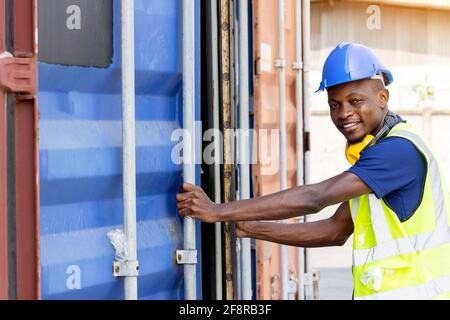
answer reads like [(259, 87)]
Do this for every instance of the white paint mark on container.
[(266, 57)]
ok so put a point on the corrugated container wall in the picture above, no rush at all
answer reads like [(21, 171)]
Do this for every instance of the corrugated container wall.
[(266, 174), (81, 142)]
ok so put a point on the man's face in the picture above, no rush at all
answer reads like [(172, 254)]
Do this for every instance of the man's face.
[(358, 108)]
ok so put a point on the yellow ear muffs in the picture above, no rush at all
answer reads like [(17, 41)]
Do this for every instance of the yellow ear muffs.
[(353, 150)]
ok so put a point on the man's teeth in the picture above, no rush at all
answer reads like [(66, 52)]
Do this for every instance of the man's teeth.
[(349, 125)]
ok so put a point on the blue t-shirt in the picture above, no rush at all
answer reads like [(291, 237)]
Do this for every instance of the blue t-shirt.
[(395, 171)]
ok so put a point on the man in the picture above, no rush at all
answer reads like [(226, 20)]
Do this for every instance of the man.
[(393, 199)]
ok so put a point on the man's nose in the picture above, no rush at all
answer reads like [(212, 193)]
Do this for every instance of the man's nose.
[(345, 111)]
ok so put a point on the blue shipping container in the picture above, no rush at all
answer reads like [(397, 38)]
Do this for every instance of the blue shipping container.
[(80, 151)]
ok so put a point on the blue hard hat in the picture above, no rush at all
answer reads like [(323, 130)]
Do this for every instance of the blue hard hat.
[(350, 62)]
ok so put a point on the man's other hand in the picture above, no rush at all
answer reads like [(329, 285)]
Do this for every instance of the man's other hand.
[(241, 229), (193, 202)]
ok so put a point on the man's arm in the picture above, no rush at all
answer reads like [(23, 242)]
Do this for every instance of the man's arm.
[(286, 204), (330, 232)]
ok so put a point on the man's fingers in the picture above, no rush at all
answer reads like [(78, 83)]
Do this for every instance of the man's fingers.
[(182, 212), (186, 212), (186, 187), (190, 202), (185, 196), (184, 204)]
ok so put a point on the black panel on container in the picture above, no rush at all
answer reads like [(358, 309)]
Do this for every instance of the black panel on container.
[(76, 32)]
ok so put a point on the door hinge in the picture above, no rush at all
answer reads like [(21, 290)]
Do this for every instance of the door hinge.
[(17, 75), (125, 268), (186, 256)]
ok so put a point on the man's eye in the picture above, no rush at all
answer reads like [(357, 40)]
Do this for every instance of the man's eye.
[(355, 101), (333, 106)]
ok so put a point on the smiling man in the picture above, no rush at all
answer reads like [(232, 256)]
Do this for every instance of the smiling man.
[(393, 198)]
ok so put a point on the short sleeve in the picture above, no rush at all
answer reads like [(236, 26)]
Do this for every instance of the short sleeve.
[(392, 164)]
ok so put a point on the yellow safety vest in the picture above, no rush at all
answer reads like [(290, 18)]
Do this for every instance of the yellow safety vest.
[(403, 260)]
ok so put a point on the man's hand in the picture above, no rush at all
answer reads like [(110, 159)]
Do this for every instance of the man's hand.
[(241, 228), (194, 203), (333, 231)]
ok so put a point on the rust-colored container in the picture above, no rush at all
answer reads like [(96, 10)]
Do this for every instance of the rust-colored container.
[(3, 179), (266, 177), (19, 197)]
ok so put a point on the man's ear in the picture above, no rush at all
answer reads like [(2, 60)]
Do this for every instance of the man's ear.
[(383, 97)]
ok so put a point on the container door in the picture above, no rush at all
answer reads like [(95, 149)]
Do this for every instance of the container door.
[(267, 173), (18, 152), (3, 172), (81, 147)]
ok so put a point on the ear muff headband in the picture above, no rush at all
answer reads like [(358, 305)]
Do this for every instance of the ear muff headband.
[(353, 150)]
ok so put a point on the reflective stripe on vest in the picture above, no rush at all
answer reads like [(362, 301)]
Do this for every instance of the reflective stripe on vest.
[(419, 292), (392, 247), (417, 250)]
